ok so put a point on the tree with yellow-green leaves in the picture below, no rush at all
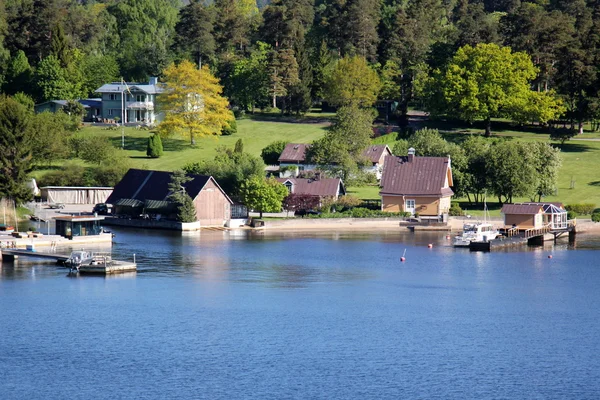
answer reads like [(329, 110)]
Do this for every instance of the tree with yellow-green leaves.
[(352, 83), (191, 102)]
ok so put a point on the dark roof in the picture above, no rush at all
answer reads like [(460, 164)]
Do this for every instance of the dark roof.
[(374, 152), (529, 208), (315, 187), (294, 152), (526, 209), (145, 185), (424, 176)]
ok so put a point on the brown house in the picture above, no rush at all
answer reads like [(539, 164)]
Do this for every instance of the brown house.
[(147, 192), (376, 154), (323, 187), (416, 185)]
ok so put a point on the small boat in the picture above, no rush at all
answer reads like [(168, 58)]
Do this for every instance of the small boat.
[(481, 232), (79, 258)]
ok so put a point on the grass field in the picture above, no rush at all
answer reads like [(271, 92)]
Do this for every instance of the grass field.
[(178, 151)]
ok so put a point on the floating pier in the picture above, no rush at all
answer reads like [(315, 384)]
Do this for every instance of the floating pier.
[(104, 264)]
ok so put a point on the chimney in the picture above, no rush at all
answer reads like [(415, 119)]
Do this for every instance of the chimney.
[(411, 154), (153, 80)]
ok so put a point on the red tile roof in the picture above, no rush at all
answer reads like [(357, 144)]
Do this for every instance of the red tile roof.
[(424, 176), (316, 187), (374, 152), (294, 152)]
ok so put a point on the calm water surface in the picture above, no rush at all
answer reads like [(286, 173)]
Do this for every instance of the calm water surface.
[(331, 316)]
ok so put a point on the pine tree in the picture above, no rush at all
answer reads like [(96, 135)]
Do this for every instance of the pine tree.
[(186, 212), (194, 36), (155, 147), (15, 150)]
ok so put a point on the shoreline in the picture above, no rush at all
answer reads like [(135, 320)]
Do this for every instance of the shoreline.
[(584, 226)]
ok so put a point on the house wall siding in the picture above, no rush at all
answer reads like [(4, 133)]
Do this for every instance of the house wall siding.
[(212, 207), (428, 206), (522, 221)]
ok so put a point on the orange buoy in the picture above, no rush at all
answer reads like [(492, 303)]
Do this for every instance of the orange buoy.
[(448, 237), (402, 259), (430, 245)]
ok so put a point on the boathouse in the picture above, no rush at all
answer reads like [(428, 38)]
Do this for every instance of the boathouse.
[(79, 225), (418, 185), (535, 215), (146, 193), (75, 194)]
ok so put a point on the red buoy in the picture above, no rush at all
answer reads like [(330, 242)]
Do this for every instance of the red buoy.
[(550, 256), (402, 259), (430, 245)]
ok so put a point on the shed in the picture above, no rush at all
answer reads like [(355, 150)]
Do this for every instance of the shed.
[(535, 215), (83, 225), (75, 194)]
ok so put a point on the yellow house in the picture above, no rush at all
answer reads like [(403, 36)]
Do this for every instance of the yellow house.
[(419, 185)]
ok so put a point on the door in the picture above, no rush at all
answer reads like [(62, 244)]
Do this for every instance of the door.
[(409, 206)]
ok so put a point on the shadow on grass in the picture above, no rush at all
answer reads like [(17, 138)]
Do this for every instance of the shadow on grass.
[(573, 148), (140, 144), (458, 126), (42, 167), (595, 183), (290, 119)]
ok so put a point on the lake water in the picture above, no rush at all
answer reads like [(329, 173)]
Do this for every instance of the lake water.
[(303, 316)]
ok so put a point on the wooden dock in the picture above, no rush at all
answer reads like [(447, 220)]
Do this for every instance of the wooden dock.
[(515, 237), (105, 265)]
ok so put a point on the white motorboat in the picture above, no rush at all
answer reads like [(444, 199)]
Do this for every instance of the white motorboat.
[(79, 258), (479, 232)]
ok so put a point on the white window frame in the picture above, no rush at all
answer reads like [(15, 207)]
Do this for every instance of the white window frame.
[(414, 205), (112, 97)]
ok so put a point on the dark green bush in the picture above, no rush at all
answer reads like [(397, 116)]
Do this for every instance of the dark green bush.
[(596, 217), (155, 146), (581, 208), (229, 129), (455, 210), (572, 214), (360, 212)]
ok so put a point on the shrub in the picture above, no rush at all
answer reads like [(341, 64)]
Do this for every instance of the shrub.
[(155, 146), (348, 201), (97, 150), (360, 212), (230, 128), (572, 214), (238, 114), (583, 208), (271, 153), (271, 110), (596, 217), (69, 175), (455, 210)]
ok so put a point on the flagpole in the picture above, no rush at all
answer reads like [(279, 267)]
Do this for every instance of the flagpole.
[(123, 114)]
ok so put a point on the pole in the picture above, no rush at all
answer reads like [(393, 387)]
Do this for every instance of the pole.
[(16, 219), (123, 115)]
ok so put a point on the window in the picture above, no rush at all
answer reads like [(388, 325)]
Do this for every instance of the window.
[(110, 111), (289, 186), (113, 96), (140, 97)]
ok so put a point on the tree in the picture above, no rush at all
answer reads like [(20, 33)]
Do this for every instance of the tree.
[(239, 147), (477, 151), (186, 212), (283, 73), (51, 81), (391, 81), (562, 134), (155, 146), (250, 79), (362, 18), (19, 74), (146, 29), (353, 82), (98, 70), (263, 195), (229, 168), (341, 148), (15, 150), (194, 37), (192, 102), (271, 153), (297, 202), (98, 150), (50, 134), (512, 171), (484, 82), (547, 162)]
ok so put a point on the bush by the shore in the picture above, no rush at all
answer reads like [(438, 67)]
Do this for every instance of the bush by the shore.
[(582, 208)]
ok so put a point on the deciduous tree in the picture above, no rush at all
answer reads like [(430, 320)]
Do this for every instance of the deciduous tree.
[(353, 83), (263, 195), (192, 102)]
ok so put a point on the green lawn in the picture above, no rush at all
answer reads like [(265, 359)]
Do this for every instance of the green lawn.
[(178, 151)]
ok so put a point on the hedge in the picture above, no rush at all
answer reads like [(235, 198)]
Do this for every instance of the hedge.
[(360, 212), (582, 208)]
